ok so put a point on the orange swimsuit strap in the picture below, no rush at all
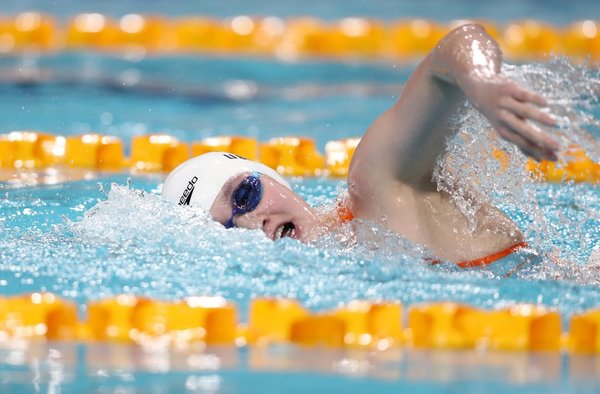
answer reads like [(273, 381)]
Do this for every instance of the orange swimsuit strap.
[(487, 260), (345, 215), (484, 261)]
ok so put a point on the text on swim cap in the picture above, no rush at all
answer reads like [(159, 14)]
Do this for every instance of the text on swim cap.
[(232, 156), (186, 197)]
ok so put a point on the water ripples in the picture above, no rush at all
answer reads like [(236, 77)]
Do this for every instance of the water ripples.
[(128, 240)]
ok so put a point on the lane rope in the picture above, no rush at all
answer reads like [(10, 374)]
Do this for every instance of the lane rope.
[(287, 39), (155, 153)]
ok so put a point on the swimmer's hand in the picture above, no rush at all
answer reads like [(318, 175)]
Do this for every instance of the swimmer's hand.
[(509, 107)]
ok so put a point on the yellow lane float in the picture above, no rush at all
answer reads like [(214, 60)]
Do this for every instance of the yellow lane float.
[(93, 30), (579, 167), (530, 39), (147, 32), (355, 325), (338, 155), (126, 318), (400, 40), (455, 326), (584, 332), (412, 38), (37, 316), (291, 156), (373, 325), (271, 320), (243, 146), (582, 39), (27, 149), (94, 151), (157, 152), (33, 31)]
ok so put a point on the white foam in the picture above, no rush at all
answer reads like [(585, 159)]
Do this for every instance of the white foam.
[(471, 174)]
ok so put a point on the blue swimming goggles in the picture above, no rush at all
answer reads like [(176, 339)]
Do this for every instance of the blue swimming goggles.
[(246, 197)]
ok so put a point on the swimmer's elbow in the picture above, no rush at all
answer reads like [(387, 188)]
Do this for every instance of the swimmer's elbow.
[(465, 50), (462, 34), (467, 28)]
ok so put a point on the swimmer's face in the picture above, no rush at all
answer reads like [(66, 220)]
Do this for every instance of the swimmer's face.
[(280, 212)]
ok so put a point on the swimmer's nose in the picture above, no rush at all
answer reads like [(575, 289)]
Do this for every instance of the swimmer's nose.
[(254, 220), (262, 221)]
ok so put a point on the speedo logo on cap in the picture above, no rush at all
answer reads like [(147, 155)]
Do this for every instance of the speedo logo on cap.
[(232, 156), (186, 197)]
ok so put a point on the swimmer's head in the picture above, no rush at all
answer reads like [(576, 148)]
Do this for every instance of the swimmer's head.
[(241, 193), (199, 180)]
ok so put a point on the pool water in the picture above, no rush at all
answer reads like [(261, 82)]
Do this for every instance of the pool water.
[(80, 243), (552, 11), (195, 97), (75, 368), (102, 234)]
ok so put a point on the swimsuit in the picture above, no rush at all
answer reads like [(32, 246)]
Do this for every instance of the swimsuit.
[(509, 265), (503, 263), (344, 214)]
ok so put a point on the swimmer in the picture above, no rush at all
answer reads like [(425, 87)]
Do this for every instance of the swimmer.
[(390, 179)]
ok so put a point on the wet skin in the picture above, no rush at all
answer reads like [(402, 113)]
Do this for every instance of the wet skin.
[(390, 179), (279, 209)]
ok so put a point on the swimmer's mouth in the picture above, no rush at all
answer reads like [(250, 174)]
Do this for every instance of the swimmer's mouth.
[(285, 230)]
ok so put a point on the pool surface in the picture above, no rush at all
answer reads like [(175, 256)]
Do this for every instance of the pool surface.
[(69, 367), (102, 234), (552, 11)]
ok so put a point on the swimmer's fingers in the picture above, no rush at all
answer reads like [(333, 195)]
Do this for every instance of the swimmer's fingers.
[(510, 107), (527, 111), (525, 96), (531, 133), (524, 146), (528, 138)]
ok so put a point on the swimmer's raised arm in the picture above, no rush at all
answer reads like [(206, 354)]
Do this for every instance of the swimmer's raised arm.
[(470, 59), (391, 173), (405, 142)]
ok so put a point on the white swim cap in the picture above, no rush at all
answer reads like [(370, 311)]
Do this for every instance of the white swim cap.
[(199, 180)]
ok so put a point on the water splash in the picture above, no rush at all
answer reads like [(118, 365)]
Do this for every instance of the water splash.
[(187, 248), (131, 241), (573, 95), (560, 222), (134, 242)]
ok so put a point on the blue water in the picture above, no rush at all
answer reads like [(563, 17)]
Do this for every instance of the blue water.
[(553, 11), (83, 241), (96, 244), (74, 368), (191, 98), (83, 244)]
